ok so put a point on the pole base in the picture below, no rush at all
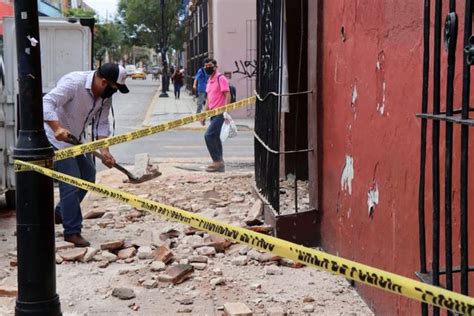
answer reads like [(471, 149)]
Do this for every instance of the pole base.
[(164, 95), (50, 307)]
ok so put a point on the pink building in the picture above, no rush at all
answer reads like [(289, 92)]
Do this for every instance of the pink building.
[(226, 31)]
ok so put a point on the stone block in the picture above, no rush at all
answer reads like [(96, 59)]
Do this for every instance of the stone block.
[(237, 309)]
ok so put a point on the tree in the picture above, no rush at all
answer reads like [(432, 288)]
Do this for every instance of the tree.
[(142, 23), (80, 13), (108, 38)]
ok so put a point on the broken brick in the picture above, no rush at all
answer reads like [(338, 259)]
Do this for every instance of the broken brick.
[(162, 254), (176, 274), (112, 245), (127, 253)]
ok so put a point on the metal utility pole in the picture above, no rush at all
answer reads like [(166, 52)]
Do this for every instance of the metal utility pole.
[(164, 62), (34, 200)]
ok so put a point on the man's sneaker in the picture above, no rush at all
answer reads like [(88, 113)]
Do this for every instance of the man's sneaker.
[(216, 166), (77, 240)]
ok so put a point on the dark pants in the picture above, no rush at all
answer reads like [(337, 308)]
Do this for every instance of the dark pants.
[(177, 89), (212, 137), (69, 206)]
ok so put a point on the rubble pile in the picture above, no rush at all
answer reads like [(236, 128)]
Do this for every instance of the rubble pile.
[(139, 262), (288, 196)]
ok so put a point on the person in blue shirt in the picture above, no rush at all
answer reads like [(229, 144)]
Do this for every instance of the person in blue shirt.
[(199, 86)]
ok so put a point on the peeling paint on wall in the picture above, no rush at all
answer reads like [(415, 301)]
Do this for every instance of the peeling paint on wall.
[(381, 106), (347, 175), (373, 199), (354, 95)]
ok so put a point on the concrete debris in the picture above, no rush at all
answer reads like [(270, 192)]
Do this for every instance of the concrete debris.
[(217, 281), (240, 261), (123, 293), (237, 309), (206, 251), (199, 266), (108, 256), (150, 284), (308, 308), (145, 252), (157, 266), (90, 253), (74, 254), (179, 268)]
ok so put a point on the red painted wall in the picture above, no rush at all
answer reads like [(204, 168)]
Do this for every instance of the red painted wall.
[(379, 55)]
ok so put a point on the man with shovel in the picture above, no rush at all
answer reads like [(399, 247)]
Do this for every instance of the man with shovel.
[(78, 99)]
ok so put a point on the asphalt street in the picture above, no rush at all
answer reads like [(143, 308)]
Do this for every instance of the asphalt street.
[(181, 145)]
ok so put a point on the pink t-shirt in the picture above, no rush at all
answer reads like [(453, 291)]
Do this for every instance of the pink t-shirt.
[(215, 91)]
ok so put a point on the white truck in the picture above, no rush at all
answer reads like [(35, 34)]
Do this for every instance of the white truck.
[(66, 45)]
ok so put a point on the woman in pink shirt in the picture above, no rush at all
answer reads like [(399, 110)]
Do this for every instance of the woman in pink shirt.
[(218, 95)]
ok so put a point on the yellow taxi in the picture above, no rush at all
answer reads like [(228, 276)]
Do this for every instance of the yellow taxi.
[(139, 74)]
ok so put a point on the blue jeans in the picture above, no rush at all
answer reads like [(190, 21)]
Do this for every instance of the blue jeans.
[(212, 137), (177, 89), (70, 197), (201, 100)]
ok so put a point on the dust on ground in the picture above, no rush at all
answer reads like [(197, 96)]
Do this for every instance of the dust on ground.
[(222, 272)]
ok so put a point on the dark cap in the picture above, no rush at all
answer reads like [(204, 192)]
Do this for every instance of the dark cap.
[(116, 74)]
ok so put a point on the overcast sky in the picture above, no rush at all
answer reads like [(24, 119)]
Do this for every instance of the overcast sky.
[(103, 7)]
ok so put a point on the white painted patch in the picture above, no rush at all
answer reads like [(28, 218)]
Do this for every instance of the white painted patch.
[(378, 65), (33, 41), (354, 95), (381, 107), (347, 175), (373, 198)]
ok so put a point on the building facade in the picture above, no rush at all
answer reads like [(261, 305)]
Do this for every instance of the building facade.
[(226, 31), (377, 172)]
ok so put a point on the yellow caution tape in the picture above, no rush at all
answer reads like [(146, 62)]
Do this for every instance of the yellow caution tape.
[(107, 142), (387, 281)]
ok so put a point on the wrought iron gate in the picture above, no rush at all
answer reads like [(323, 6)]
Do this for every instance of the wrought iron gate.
[(447, 119), (267, 112), (198, 45)]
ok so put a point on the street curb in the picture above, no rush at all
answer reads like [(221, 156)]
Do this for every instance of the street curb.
[(241, 128)]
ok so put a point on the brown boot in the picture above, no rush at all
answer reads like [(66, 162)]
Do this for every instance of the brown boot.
[(77, 240), (216, 166)]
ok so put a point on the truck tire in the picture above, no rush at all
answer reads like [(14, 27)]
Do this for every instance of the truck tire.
[(10, 198)]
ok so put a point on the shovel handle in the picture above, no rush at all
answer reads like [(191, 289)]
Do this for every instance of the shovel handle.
[(74, 141)]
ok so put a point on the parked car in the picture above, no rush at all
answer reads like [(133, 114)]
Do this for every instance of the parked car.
[(139, 74), (131, 69)]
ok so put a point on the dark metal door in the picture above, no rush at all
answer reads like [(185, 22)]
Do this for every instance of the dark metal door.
[(267, 112), (440, 115)]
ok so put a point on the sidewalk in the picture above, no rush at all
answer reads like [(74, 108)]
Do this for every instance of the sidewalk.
[(167, 109)]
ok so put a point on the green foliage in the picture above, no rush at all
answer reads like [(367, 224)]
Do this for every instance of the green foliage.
[(108, 37), (80, 13), (142, 23)]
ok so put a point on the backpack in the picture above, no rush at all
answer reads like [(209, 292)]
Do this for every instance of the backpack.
[(232, 90)]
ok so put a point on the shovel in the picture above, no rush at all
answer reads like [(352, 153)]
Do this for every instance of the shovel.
[(131, 177)]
